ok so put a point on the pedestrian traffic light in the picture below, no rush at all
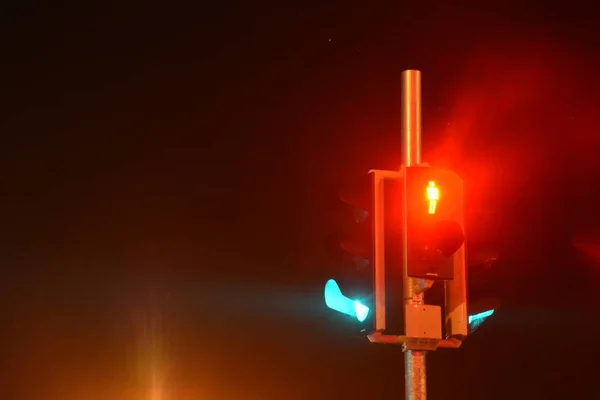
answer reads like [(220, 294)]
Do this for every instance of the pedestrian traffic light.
[(404, 224), (434, 222)]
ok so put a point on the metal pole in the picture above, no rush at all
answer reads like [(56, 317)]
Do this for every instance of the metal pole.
[(411, 117), (415, 377)]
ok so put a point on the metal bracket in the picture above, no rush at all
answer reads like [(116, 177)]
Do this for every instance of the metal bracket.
[(420, 344), (378, 337), (408, 343), (412, 343)]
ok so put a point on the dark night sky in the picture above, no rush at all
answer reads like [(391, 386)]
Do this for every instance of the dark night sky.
[(166, 160)]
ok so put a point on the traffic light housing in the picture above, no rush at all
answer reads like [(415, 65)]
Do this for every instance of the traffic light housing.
[(366, 244), (351, 248), (434, 222)]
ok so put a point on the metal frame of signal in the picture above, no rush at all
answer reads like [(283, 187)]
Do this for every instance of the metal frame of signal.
[(415, 348), (414, 288)]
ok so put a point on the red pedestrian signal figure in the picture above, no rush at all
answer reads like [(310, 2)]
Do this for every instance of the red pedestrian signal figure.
[(433, 195)]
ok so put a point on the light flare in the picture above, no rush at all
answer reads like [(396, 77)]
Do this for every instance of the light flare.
[(151, 357)]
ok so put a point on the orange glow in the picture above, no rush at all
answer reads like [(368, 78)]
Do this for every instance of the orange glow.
[(151, 353), (433, 195)]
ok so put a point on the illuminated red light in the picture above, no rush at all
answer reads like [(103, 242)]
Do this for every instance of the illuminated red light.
[(433, 196)]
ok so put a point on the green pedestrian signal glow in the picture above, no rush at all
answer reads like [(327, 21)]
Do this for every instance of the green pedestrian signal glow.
[(335, 300), (476, 320)]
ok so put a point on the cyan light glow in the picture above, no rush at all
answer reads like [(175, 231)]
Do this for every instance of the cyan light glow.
[(361, 311), (481, 315), (335, 300), (476, 320)]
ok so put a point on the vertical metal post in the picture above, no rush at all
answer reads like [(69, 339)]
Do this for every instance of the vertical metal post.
[(411, 117), (378, 250), (415, 377)]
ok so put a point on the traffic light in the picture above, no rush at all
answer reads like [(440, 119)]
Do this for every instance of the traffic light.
[(434, 222), (351, 248), (483, 268), (403, 224), (435, 248)]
